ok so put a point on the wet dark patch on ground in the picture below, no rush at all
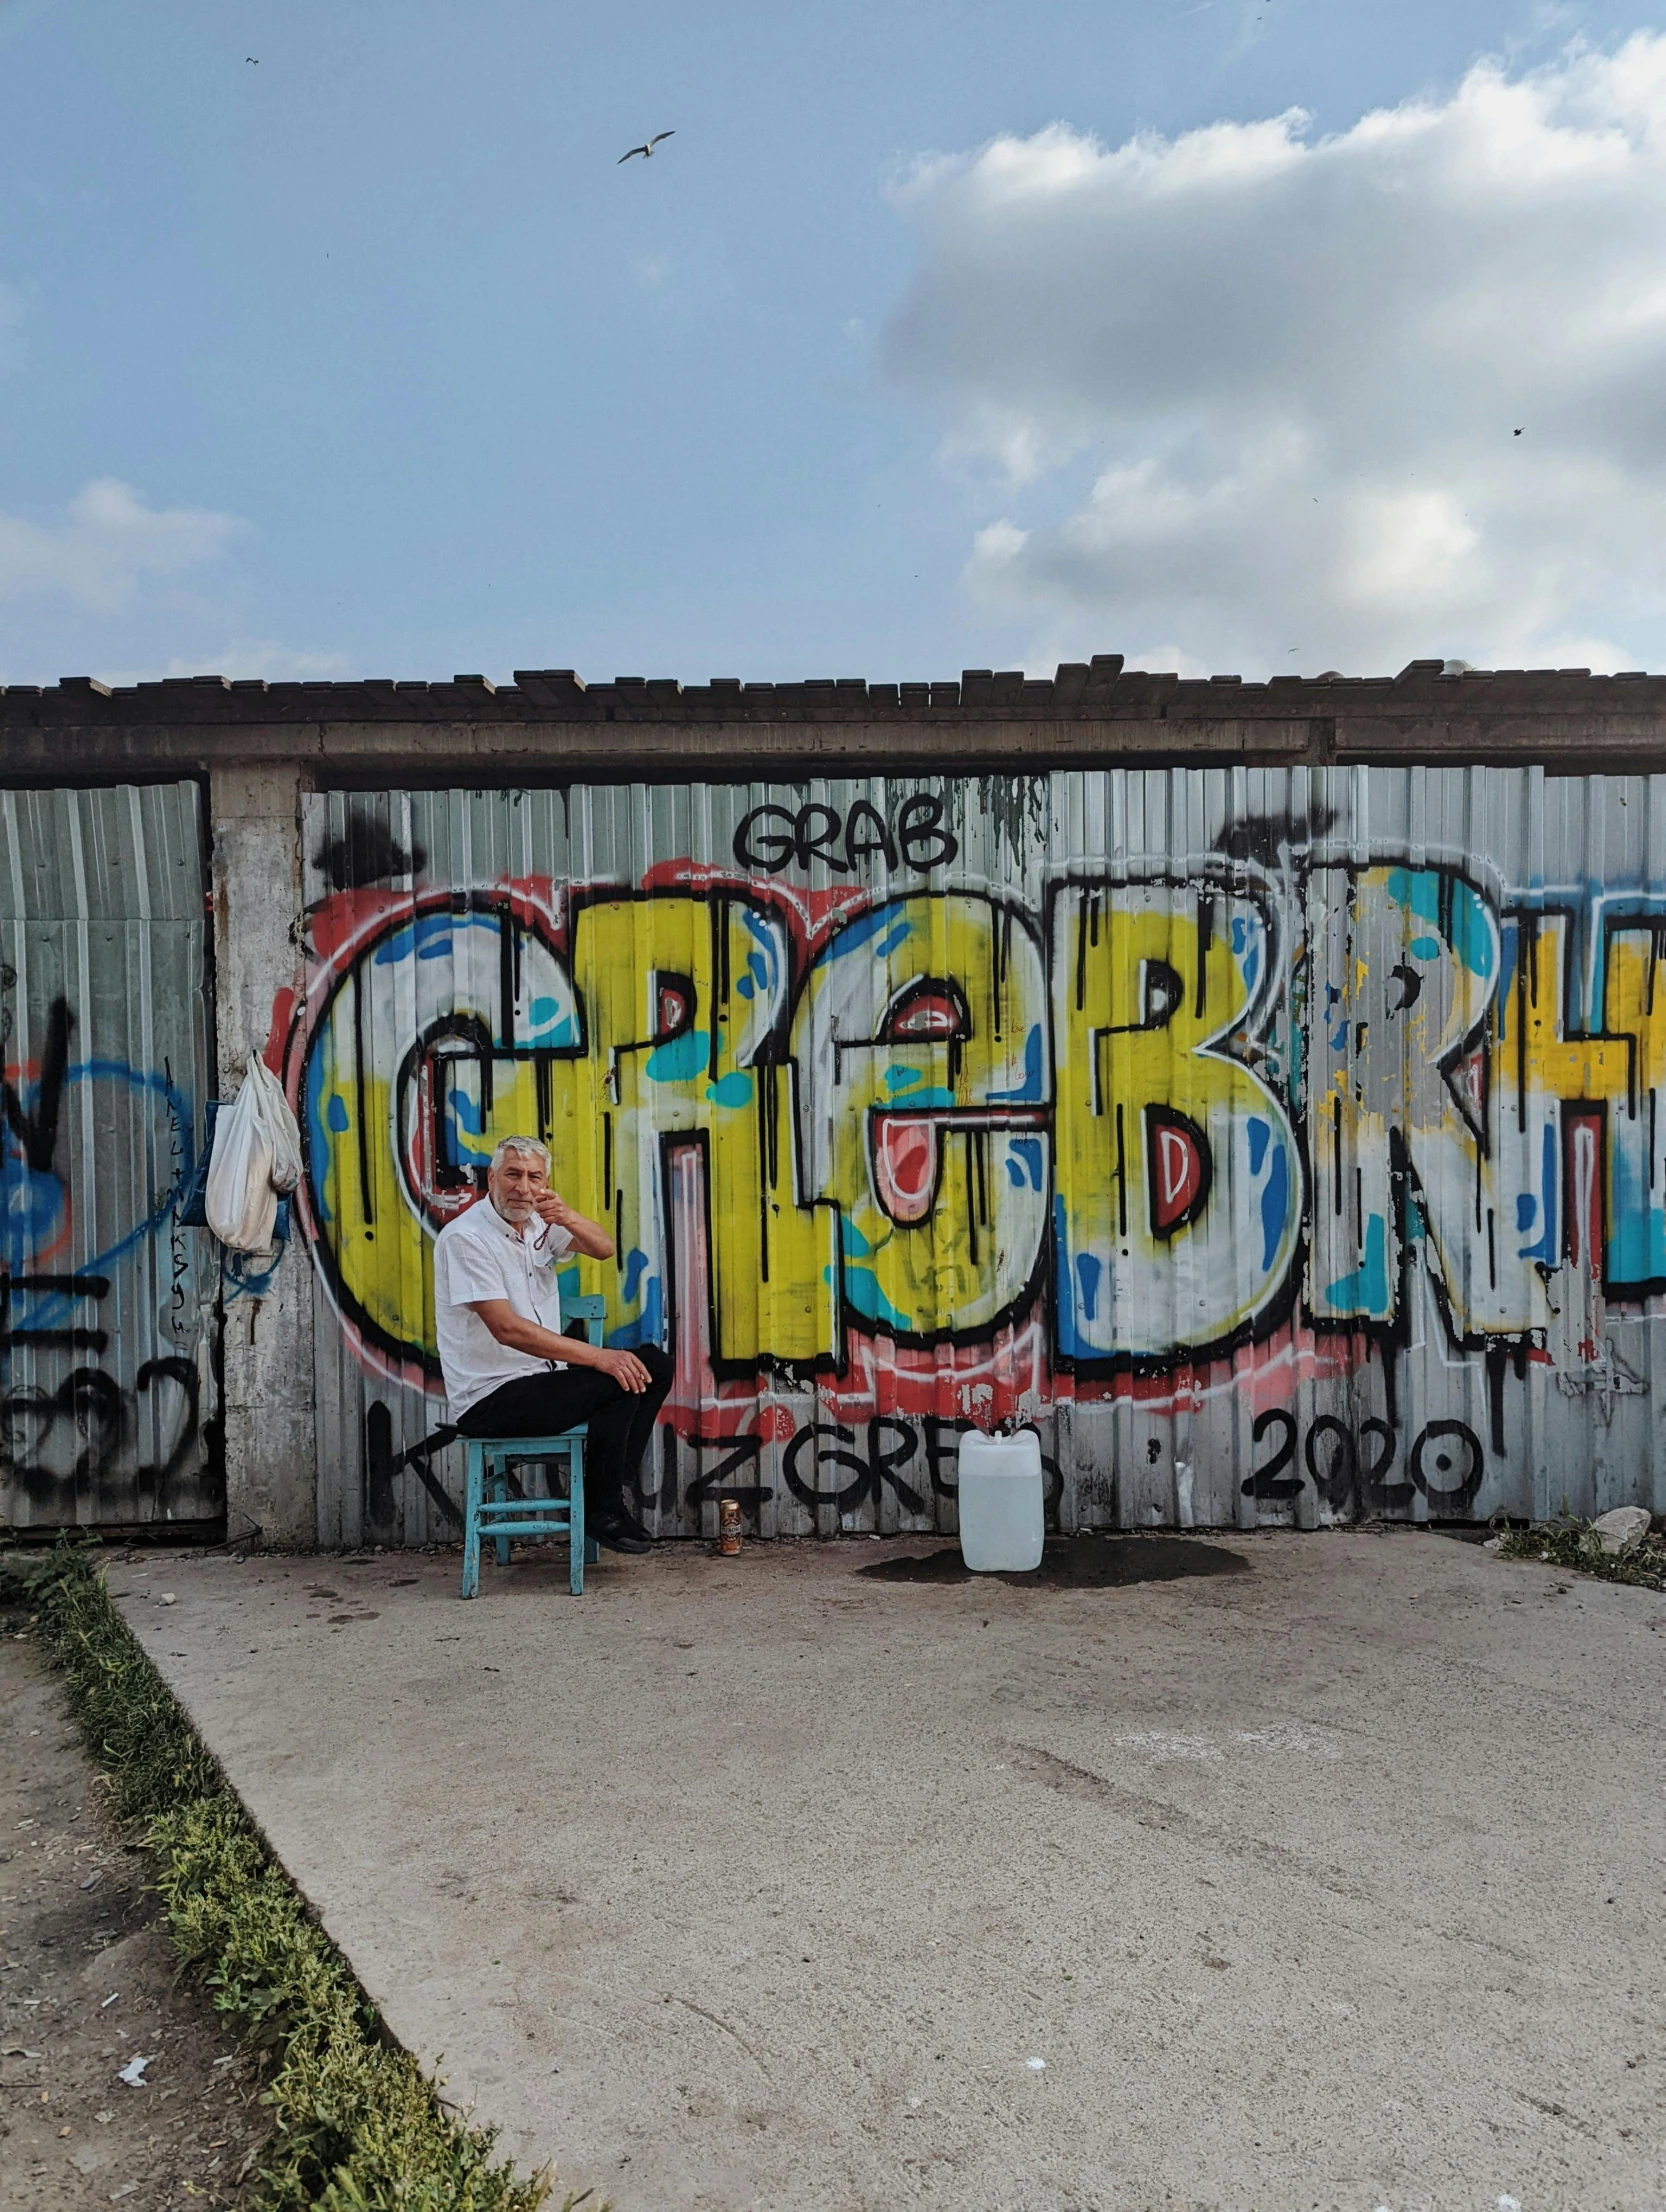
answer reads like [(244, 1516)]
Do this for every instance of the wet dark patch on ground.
[(1075, 1563)]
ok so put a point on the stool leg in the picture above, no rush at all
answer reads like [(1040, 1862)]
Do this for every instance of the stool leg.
[(577, 1549), (500, 1491), (471, 1522)]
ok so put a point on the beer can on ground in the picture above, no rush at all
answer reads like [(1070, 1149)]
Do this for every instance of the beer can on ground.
[(728, 1526)]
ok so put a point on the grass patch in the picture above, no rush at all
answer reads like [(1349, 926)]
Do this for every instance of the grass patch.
[(1575, 1545), (356, 2125)]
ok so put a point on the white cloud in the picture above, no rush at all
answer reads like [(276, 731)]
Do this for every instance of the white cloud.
[(1293, 368), (240, 657), (250, 657), (114, 588), (106, 547)]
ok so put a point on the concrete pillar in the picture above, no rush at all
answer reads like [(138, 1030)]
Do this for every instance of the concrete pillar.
[(270, 1444)]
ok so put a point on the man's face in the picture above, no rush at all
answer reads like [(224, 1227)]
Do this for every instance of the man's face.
[(515, 1182)]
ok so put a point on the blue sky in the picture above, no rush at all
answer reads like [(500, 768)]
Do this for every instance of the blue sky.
[(365, 357)]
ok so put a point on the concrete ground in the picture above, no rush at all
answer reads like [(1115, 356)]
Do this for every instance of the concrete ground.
[(1334, 1879)]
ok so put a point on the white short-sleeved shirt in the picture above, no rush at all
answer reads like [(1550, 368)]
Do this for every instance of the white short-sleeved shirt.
[(479, 1256)]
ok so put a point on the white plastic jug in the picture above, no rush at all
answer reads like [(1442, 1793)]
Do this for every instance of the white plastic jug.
[(1001, 1526)]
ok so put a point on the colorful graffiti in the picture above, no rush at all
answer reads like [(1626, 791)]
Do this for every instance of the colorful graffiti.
[(892, 1143), (108, 1321), (89, 1432)]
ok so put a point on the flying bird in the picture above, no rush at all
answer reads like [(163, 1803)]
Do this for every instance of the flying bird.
[(647, 151), (255, 58), (1518, 433)]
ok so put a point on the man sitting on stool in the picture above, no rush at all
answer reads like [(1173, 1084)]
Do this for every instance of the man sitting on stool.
[(508, 1369)]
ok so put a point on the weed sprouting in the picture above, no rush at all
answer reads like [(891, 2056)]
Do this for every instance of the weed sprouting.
[(356, 2125), (1575, 1544)]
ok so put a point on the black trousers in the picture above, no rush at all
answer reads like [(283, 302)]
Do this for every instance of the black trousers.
[(621, 1421)]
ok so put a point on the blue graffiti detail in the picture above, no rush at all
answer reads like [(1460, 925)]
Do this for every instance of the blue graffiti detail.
[(1066, 1288), (1257, 1132), (1275, 1203), (1024, 1162), (431, 935), (765, 962), (1543, 1207), (250, 1274), (550, 1024), (32, 1204), (318, 1142), (31, 1209), (1433, 896), (883, 922), (1030, 1090), (649, 1325), (864, 1296), (680, 1060), (1366, 1289)]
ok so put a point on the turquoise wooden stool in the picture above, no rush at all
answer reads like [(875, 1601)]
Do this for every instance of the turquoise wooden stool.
[(500, 1516)]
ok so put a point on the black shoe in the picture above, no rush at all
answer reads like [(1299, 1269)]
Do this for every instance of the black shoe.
[(619, 1532)]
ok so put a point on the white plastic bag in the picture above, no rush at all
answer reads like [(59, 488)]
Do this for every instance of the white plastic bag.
[(279, 1124), (257, 1157)]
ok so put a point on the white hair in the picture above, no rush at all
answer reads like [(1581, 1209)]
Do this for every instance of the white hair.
[(521, 1144)]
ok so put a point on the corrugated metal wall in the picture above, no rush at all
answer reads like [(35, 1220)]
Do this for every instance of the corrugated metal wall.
[(1284, 1143), (107, 1307)]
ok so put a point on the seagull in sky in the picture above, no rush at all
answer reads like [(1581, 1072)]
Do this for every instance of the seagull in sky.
[(647, 151)]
